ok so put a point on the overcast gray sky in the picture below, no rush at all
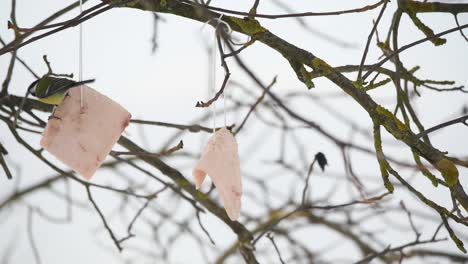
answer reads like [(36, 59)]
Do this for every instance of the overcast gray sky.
[(165, 86)]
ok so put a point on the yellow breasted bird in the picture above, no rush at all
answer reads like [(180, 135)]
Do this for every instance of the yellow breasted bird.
[(52, 90)]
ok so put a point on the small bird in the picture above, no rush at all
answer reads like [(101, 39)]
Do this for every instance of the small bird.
[(53, 90)]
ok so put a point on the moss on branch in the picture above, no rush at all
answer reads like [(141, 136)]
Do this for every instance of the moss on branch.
[(432, 7)]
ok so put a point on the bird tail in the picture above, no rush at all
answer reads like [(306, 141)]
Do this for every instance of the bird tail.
[(84, 82)]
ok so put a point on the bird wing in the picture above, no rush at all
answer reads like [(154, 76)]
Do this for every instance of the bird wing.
[(58, 85)]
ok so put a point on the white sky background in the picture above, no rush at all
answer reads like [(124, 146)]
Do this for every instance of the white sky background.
[(165, 86)]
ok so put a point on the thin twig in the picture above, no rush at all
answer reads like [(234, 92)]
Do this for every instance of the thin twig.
[(190, 128), (462, 120), (371, 34), (389, 249), (458, 24), (35, 251), (405, 47), (203, 228), (167, 152), (270, 236), (138, 213), (252, 108), (304, 14), (5, 167), (104, 221), (410, 219), (72, 23)]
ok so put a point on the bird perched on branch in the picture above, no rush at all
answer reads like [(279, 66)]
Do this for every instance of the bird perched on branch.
[(49, 90), (52, 90)]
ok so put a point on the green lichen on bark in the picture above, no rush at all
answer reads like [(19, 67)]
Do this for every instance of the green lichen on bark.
[(248, 25), (458, 242), (134, 4), (201, 196), (426, 30), (302, 74), (373, 86), (306, 78), (383, 164), (415, 6), (384, 113), (321, 66), (383, 45), (358, 84), (182, 183), (424, 170), (448, 170), (452, 234)]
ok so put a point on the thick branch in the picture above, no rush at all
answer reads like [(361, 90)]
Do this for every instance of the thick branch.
[(432, 7)]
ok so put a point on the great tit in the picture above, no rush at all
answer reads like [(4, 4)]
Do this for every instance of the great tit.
[(53, 90)]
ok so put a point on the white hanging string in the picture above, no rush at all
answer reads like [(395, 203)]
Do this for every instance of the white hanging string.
[(224, 106), (224, 93), (213, 77), (212, 83), (80, 56)]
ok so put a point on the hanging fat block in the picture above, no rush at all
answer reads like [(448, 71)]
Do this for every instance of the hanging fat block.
[(220, 161), (81, 137)]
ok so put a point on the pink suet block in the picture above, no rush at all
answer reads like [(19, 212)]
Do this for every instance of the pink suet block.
[(220, 160), (81, 137)]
